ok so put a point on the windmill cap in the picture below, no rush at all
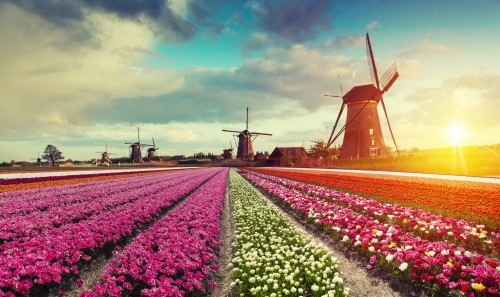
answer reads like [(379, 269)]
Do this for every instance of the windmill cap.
[(364, 92)]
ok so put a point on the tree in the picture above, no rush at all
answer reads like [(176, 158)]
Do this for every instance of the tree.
[(319, 150), (390, 150), (52, 154)]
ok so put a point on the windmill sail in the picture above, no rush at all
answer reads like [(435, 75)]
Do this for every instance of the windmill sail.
[(389, 78), (371, 62)]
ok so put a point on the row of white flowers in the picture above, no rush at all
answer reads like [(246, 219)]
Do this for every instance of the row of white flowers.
[(272, 257)]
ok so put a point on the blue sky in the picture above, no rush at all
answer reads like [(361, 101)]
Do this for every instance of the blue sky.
[(80, 74)]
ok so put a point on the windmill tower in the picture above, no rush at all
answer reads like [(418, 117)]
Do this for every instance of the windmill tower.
[(38, 160), (136, 148), (152, 150), (228, 153), (363, 134), (245, 148), (105, 156)]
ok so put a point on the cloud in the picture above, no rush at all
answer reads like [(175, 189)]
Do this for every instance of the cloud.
[(424, 47), (255, 42), (295, 20), (349, 42), (285, 84), (372, 25), (468, 99), (47, 86), (70, 15)]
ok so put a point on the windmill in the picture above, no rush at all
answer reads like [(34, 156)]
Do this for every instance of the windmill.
[(152, 150), (363, 134), (38, 160), (136, 148), (105, 156), (245, 148), (228, 153)]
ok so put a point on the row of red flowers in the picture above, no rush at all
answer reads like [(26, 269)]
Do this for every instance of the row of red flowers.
[(57, 252), (439, 266), (459, 199), (421, 222), (176, 254)]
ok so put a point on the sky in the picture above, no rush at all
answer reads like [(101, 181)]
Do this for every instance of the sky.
[(78, 74)]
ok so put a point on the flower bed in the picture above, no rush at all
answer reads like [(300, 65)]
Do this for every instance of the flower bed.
[(24, 216), (272, 257), (423, 223), (176, 254), (16, 184), (57, 252), (459, 199), (438, 266)]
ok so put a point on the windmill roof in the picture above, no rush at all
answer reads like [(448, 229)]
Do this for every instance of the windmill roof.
[(363, 92), (279, 151)]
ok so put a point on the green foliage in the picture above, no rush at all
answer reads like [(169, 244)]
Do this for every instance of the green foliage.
[(52, 155), (319, 150)]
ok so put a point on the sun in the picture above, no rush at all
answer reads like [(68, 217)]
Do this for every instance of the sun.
[(456, 132)]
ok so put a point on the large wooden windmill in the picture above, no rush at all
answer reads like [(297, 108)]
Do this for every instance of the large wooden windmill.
[(136, 148), (363, 135), (245, 148)]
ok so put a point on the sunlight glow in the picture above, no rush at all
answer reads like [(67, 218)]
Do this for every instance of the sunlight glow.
[(456, 132)]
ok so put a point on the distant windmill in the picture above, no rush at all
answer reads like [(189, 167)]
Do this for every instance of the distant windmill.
[(245, 148), (363, 135), (38, 160), (152, 150), (228, 153), (135, 149), (105, 156)]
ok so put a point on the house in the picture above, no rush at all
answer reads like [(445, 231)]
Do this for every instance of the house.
[(259, 157), (288, 156)]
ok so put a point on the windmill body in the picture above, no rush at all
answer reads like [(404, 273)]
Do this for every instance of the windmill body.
[(245, 147), (362, 131), (135, 149), (363, 137)]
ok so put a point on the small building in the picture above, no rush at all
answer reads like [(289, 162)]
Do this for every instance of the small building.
[(259, 157), (288, 156)]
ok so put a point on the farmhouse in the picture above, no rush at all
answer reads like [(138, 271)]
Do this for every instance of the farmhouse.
[(288, 156)]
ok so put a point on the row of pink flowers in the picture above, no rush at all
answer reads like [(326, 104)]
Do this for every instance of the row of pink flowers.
[(429, 263), (423, 223), (62, 207), (21, 180), (176, 254), (56, 252)]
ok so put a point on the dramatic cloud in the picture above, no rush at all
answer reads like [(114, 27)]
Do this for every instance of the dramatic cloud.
[(296, 20), (288, 83), (165, 22)]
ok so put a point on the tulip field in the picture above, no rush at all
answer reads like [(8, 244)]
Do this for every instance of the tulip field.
[(159, 232)]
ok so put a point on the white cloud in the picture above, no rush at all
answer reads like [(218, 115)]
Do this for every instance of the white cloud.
[(372, 25), (424, 47)]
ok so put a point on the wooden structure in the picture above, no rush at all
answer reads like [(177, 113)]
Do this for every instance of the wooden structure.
[(287, 156), (245, 147), (363, 136)]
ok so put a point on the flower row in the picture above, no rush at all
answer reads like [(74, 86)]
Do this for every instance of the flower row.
[(272, 257), (423, 223), (175, 254), (48, 257), (67, 173), (460, 199), (436, 265), (64, 209)]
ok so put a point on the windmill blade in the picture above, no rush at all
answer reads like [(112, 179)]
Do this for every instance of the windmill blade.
[(232, 131), (258, 133), (335, 126), (371, 63), (130, 142), (106, 147), (154, 145), (389, 78), (138, 139), (389, 124), (247, 120)]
